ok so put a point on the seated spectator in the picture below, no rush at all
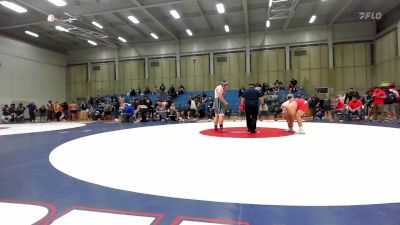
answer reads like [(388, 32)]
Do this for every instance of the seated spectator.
[(162, 87), (339, 110), (32, 111), (174, 114), (107, 110), (42, 112), (342, 97), (146, 91), (327, 107), (293, 88), (172, 92), (19, 112), (127, 113), (181, 90), (133, 93), (313, 102), (160, 110), (355, 107), (350, 94), (6, 117)]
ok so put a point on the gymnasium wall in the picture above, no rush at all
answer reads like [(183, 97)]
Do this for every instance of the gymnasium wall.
[(352, 66), (387, 61), (29, 73)]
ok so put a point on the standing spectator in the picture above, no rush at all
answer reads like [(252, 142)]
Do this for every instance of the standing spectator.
[(355, 106), (350, 94), (390, 103), (42, 111), (378, 103), (58, 110), (241, 92), (340, 109), (50, 111), (32, 111), (251, 98), (139, 91), (73, 107), (65, 114)]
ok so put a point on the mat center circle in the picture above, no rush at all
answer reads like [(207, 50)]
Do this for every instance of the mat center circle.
[(242, 132)]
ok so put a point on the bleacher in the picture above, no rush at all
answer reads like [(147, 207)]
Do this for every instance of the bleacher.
[(232, 96)]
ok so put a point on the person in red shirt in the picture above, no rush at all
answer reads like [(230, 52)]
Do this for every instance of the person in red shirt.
[(355, 107), (295, 109), (378, 103), (340, 109)]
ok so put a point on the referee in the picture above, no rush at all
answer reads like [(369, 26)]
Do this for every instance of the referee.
[(251, 97)]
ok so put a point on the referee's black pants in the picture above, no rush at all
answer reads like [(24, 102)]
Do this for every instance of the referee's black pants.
[(251, 117)]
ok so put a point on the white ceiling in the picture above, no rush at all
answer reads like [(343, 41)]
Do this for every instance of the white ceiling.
[(200, 16)]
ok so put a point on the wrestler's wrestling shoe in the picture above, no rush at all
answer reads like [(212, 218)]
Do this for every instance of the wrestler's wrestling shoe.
[(301, 131), (290, 129)]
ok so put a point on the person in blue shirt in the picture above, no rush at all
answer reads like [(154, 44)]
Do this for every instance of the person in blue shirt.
[(128, 112), (251, 98)]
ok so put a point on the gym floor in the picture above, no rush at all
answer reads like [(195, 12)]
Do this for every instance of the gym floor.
[(171, 173)]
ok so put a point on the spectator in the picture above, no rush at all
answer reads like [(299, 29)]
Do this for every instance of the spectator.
[(355, 107), (133, 93), (127, 113), (327, 107), (350, 94), (172, 92), (339, 110), (50, 111), (42, 112), (313, 103), (139, 91), (342, 97), (6, 117), (390, 104), (181, 90), (65, 114), (293, 86), (107, 110), (73, 107), (58, 110), (19, 111), (32, 111), (241, 90), (162, 87), (378, 103)]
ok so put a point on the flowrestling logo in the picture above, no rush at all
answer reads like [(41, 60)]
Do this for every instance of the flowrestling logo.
[(370, 15)]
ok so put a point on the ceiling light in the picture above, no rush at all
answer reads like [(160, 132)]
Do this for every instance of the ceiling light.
[(220, 8), (189, 32), (175, 14), (31, 33), (133, 19), (270, 3), (154, 36), (312, 19), (92, 42), (268, 23), (97, 24), (58, 3), (226, 28), (60, 28), (13, 6), (122, 39)]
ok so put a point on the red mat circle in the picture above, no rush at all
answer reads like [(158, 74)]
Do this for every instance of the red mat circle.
[(241, 132)]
